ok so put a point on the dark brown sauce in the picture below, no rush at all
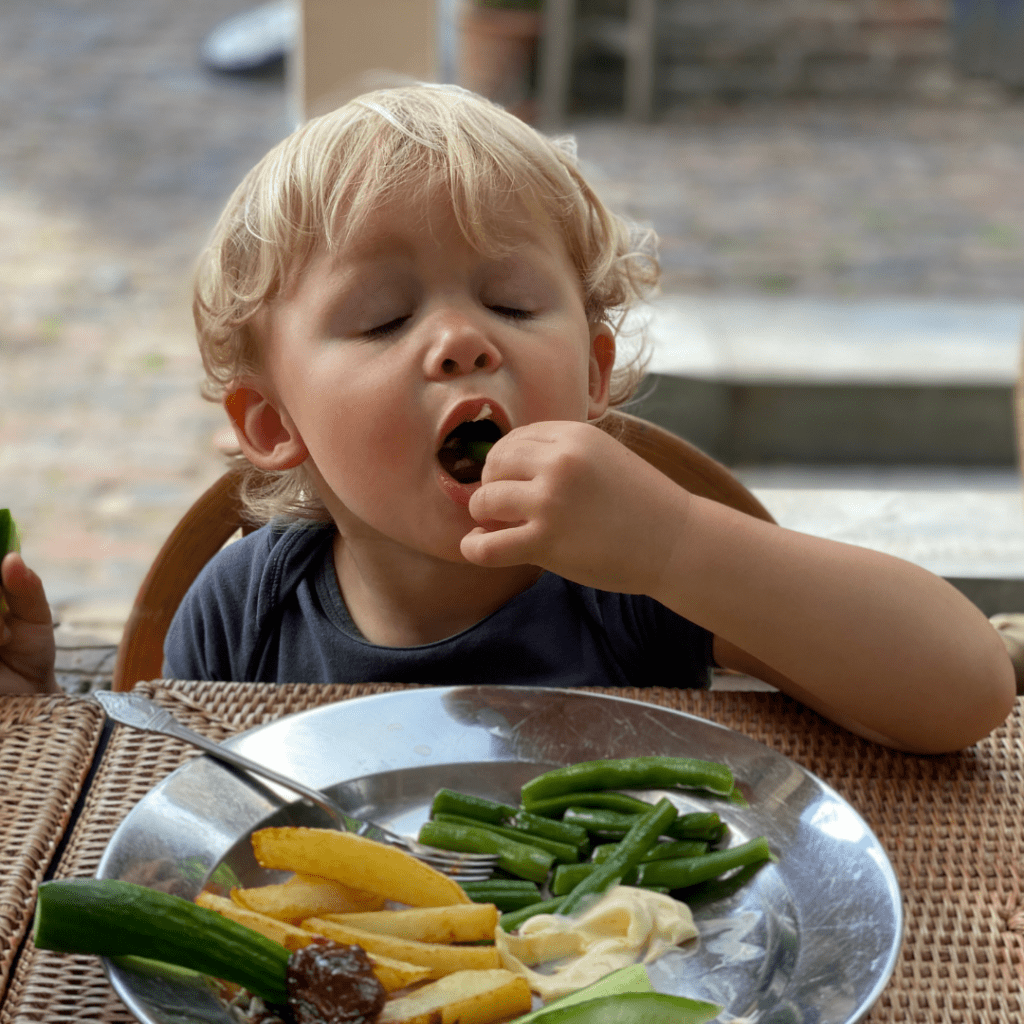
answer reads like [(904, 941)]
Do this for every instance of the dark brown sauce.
[(330, 983)]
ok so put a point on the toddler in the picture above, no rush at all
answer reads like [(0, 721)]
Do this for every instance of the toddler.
[(410, 311)]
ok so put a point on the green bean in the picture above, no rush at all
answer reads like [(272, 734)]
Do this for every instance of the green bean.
[(659, 851), (610, 801), (683, 872), (702, 825), (629, 773), (562, 852), (479, 809), (504, 898), (448, 801), (516, 858), (633, 846), (561, 831), (511, 921)]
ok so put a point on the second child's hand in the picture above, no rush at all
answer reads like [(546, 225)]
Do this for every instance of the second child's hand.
[(27, 649)]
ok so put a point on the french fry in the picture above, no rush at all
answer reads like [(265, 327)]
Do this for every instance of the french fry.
[(392, 974), (396, 974), (288, 935), (468, 997), (357, 862), (305, 896), (439, 958), (464, 922)]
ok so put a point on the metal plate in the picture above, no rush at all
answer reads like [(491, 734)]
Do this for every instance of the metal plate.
[(813, 938)]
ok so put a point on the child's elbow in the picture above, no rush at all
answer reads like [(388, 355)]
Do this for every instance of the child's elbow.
[(987, 696)]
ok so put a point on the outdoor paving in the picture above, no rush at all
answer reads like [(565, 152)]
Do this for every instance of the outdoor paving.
[(831, 235)]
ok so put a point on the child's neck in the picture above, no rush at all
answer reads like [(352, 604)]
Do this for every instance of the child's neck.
[(402, 602)]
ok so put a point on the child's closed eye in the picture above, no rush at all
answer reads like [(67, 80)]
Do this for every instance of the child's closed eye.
[(512, 312), (383, 330)]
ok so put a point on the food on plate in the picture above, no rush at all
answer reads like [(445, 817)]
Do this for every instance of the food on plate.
[(440, 958), (305, 896), (467, 997), (463, 922), (627, 924), (629, 773), (357, 862), (517, 858), (505, 893), (632, 1008), (114, 918), (332, 984), (637, 841), (288, 935)]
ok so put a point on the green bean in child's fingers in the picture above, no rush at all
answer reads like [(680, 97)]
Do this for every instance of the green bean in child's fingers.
[(629, 773)]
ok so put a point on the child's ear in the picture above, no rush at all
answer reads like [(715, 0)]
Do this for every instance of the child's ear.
[(602, 361), (267, 436)]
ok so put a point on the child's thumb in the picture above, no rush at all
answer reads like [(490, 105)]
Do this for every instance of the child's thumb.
[(23, 590)]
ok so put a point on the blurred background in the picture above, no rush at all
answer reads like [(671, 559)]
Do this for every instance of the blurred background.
[(836, 184)]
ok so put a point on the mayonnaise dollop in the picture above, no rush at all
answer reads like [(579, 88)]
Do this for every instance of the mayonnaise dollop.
[(627, 924)]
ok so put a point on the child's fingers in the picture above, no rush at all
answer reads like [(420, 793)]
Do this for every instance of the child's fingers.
[(499, 548), (23, 591), (503, 502)]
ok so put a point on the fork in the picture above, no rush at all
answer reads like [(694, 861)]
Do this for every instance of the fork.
[(141, 713)]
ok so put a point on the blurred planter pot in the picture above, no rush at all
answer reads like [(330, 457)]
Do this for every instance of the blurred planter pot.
[(499, 52)]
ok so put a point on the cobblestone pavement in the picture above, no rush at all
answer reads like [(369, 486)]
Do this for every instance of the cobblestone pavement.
[(117, 150)]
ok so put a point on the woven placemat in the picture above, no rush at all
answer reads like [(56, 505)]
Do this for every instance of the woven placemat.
[(952, 826), (46, 749)]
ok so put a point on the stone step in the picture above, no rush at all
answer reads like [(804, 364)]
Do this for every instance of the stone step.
[(761, 380), (966, 524)]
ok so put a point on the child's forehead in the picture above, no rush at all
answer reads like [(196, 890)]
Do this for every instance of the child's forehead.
[(498, 228)]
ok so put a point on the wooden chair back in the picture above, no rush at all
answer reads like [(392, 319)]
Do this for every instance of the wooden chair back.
[(217, 516)]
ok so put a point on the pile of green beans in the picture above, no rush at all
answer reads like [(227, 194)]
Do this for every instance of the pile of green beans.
[(544, 846)]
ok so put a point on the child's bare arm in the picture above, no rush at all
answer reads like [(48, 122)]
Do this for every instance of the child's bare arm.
[(877, 644), (27, 651)]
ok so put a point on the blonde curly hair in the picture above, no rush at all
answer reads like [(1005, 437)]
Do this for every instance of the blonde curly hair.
[(316, 188)]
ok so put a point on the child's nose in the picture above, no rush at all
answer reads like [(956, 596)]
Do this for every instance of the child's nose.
[(460, 348)]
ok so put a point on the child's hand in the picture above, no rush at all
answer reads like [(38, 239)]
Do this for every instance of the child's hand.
[(27, 650), (569, 498)]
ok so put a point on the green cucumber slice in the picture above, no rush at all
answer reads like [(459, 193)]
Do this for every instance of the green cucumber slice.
[(632, 1008), (113, 918)]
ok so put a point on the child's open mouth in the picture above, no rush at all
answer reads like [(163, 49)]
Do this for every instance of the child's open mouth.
[(464, 450)]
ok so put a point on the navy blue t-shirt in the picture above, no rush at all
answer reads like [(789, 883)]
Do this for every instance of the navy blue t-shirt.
[(268, 609)]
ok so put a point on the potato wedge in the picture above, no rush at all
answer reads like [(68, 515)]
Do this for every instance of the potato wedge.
[(439, 958), (305, 896), (357, 862), (468, 997), (464, 922), (396, 974), (392, 974), (288, 935)]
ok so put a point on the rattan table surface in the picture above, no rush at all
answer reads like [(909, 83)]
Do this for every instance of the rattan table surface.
[(952, 826)]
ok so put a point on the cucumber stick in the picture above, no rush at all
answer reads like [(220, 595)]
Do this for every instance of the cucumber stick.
[(113, 918)]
